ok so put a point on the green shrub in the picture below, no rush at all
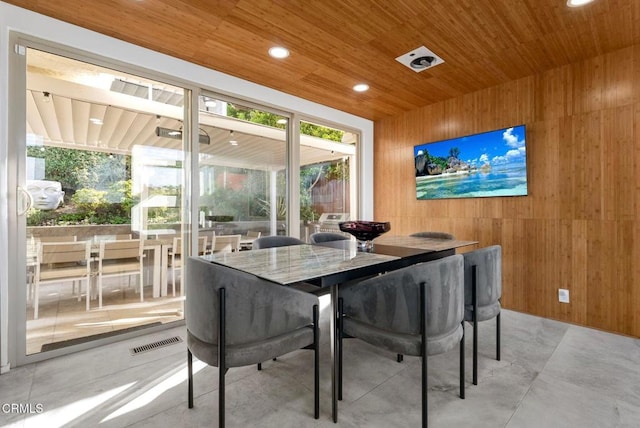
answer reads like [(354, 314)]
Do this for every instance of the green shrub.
[(89, 199), (41, 218)]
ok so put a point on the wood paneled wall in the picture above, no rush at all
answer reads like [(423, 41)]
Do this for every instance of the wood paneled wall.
[(579, 227)]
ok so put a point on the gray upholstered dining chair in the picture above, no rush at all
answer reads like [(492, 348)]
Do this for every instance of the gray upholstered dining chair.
[(482, 293), (319, 237), (417, 310), (237, 319), (435, 235), (276, 241)]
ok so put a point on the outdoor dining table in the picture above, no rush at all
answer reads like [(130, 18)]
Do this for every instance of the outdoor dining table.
[(333, 263)]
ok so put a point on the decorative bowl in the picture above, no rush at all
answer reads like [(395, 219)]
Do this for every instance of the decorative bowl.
[(365, 231)]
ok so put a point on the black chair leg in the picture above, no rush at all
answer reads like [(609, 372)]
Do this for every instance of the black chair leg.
[(221, 357), (221, 397), (475, 352), (424, 391), (498, 337), (462, 363), (190, 377), (340, 333), (423, 351), (474, 299), (316, 363), (260, 364), (400, 358)]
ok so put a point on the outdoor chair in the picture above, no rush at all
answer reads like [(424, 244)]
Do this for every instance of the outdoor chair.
[(119, 258), (176, 258), (61, 262)]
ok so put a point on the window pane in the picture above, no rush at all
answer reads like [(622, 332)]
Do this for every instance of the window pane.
[(242, 169), (327, 174)]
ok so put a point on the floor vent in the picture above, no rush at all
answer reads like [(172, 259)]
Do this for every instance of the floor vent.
[(155, 345)]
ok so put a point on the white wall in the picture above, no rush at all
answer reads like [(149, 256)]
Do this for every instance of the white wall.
[(31, 24)]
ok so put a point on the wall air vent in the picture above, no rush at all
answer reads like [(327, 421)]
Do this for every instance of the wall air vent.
[(419, 59)]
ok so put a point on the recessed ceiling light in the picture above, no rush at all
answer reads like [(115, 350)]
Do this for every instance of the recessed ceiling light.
[(577, 3), (361, 87), (95, 121), (279, 52)]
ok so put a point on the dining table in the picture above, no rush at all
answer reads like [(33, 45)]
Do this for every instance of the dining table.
[(329, 264)]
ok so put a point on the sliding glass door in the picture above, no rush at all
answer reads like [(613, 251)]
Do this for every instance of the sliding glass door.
[(102, 178)]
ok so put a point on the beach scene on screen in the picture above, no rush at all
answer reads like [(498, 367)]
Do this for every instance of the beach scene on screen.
[(489, 164)]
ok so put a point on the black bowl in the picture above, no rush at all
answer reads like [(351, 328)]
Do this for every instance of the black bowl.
[(365, 230)]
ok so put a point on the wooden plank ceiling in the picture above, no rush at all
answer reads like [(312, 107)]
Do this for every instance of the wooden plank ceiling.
[(336, 44)]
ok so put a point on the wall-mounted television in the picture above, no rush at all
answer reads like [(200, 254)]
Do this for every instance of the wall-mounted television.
[(489, 164)]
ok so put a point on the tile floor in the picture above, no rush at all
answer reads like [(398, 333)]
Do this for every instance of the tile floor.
[(551, 375)]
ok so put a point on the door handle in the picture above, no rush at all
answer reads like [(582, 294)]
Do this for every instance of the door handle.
[(26, 206)]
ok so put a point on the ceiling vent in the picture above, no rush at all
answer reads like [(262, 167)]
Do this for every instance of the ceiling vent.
[(419, 59)]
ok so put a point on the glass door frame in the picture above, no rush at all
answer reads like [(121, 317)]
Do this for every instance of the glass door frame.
[(16, 177), (292, 156)]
